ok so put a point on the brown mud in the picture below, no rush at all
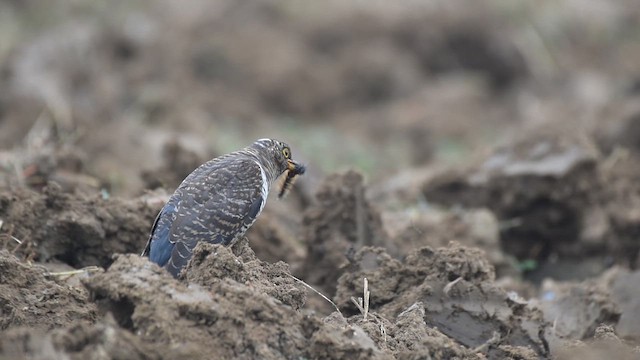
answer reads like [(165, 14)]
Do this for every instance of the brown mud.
[(479, 173)]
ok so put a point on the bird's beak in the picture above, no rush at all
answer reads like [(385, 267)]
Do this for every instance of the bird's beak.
[(295, 168), (291, 165)]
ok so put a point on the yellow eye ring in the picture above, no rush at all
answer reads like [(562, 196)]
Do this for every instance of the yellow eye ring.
[(286, 152)]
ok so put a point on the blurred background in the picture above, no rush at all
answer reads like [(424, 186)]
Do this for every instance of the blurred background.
[(509, 126), (116, 89)]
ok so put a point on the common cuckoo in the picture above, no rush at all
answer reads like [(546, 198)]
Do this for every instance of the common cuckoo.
[(218, 202)]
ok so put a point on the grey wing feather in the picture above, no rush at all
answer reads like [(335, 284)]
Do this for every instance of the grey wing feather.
[(216, 206)]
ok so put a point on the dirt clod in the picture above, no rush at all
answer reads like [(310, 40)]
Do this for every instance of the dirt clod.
[(499, 218), (340, 222), (445, 284), (30, 298), (76, 229), (104, 340), (212, 265)]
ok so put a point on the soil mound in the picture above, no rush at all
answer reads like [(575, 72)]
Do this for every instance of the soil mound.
[(563, 209), (31, 298), (453, 291), (72, 228)]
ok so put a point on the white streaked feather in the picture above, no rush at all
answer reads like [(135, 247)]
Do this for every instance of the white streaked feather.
[(265, 187)]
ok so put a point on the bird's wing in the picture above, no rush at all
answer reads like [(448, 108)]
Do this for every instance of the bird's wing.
[(216, 205), (159, 246)]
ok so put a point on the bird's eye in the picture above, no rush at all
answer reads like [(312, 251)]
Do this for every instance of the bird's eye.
[(286, 152)]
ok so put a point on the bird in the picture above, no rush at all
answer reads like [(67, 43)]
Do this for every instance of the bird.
[(218, 202)]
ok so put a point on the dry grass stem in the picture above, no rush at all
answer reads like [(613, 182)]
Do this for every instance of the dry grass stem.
[(319, 293), (16, 239), (383, 331), (88, 269), (367, 294), (363, 303), (494, 339), (449, 286)]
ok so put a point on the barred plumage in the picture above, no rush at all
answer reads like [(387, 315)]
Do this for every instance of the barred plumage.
[(217, 202)]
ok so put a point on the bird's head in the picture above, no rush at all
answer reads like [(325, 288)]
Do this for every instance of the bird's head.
[(276, 157)]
